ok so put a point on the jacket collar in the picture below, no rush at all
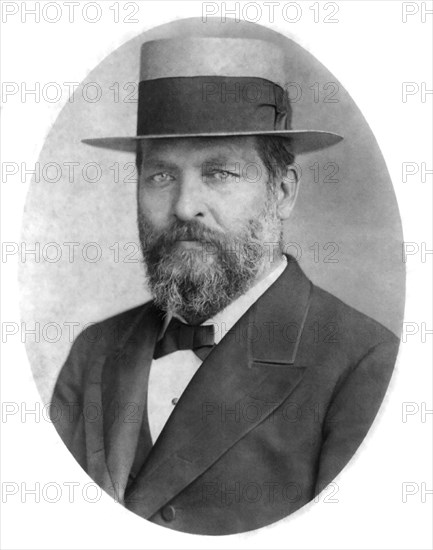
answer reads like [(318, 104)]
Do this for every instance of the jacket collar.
[(124, 384), (278, 318)]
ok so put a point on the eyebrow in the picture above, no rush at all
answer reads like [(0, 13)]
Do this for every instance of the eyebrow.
[(220, 161), (158, 164)]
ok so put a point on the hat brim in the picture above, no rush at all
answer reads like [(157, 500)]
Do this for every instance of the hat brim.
[(302, 141)]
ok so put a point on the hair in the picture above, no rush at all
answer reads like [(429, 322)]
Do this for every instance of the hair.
[(275, 152), (139, 158)]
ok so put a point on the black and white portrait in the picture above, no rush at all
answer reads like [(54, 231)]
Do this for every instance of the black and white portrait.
[(230, 276)]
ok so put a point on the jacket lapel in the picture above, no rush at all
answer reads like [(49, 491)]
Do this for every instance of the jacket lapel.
[(244, 378), (124, 394)]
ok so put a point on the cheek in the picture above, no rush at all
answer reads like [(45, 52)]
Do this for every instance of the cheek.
[(241, 206), (154, 207)]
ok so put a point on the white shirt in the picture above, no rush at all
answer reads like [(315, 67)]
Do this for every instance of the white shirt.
[(171, 374)]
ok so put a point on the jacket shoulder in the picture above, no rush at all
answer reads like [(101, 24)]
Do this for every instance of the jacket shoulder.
[(98, 340), (110, 332), (354, 331)]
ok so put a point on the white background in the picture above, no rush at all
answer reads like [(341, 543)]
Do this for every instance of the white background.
[(372, 52)]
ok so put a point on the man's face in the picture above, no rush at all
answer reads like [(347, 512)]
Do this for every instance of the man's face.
[(205, 211)]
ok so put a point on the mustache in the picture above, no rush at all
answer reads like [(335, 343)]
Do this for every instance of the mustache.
[(188, 231)]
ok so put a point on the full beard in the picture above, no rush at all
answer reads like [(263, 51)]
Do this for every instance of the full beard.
[(199, 281)]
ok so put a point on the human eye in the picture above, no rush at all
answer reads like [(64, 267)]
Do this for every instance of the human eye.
[(160, 178), (221, 175)]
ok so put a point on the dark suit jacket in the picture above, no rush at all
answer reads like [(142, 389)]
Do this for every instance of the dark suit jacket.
[(270, 418)]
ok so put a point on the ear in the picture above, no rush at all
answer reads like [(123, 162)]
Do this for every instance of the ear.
[(287, 187)]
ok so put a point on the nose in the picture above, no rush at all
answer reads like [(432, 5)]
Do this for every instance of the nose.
[(190, 199)]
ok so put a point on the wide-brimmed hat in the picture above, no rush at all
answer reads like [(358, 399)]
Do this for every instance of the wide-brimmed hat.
[(206, 87)]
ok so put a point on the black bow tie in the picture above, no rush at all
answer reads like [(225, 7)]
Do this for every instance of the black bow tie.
[(179, 336)]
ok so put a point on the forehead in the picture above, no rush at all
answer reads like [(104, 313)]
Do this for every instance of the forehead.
[(241, 147)]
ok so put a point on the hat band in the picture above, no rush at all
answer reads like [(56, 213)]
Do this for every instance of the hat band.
[(211, 104)]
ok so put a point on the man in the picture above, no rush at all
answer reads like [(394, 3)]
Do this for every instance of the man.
[(219, 406)]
